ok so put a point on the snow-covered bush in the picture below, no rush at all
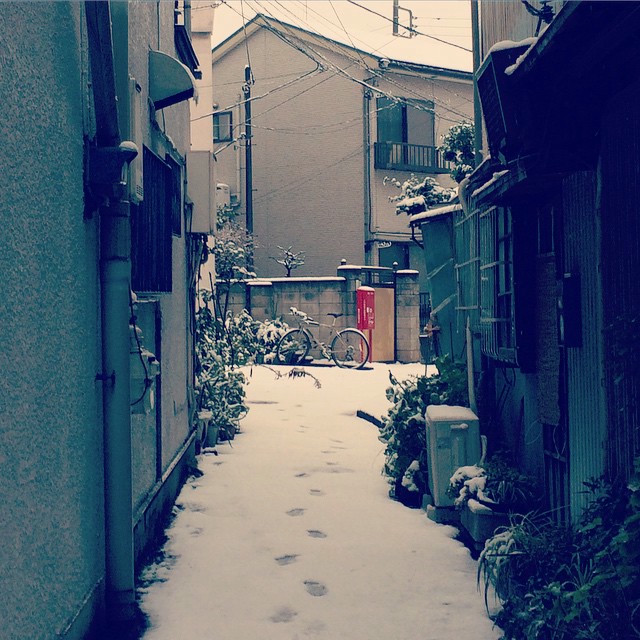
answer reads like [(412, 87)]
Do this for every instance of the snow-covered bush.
[(403, 428), (458, 148), (268, 334), (418, 194), (494, 484)]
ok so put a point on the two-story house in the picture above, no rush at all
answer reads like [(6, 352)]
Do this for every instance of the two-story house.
[(328, 123)]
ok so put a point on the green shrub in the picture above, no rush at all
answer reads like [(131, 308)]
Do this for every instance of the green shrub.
[(403, 428), (577, 582)]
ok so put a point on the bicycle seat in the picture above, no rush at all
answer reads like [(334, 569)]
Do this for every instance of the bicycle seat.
[(335, 315)]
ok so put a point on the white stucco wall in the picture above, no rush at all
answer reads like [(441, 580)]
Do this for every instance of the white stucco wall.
[(51, 478)]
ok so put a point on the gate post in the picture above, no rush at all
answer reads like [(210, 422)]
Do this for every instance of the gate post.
[(407, 316), (352, 275)]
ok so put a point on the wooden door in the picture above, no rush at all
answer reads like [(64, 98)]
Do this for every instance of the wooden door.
[(383, 336)]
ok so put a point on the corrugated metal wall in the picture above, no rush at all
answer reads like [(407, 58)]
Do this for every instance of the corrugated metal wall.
[(584, 390), (620, 174)]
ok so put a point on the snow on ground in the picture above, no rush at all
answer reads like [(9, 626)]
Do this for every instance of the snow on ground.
[(290, 533)]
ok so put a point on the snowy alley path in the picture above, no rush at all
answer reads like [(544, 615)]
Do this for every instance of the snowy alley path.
[(290, 533)]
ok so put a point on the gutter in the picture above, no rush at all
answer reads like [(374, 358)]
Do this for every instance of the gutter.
[(106, 173)]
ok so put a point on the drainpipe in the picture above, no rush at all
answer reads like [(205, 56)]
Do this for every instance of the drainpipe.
[(107, 164), (477, 111), (366, 133)]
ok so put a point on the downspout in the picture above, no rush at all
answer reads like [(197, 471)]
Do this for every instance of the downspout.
[(477, 111), (366, 141), (107, 165)]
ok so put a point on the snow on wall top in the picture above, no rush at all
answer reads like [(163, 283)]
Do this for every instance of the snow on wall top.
[(445, 413)]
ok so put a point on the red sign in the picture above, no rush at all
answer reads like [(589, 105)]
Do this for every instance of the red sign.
[(365, 304)]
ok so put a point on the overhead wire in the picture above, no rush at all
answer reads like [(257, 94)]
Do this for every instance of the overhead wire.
[(375, 72), (410, 29)]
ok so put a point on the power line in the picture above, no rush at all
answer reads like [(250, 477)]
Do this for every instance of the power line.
[(376, 73), (411, 29)]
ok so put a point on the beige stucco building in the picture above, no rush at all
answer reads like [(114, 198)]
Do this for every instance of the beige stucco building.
[(329, 122)]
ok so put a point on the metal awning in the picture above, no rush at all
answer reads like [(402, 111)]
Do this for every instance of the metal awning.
[(170, 81)]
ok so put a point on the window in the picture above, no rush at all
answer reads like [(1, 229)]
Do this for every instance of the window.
[(222, 126), (151, 227), (407, 122), (406, 136), (497, 324)]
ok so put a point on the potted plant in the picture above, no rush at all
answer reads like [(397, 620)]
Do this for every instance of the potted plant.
[(487, 493)]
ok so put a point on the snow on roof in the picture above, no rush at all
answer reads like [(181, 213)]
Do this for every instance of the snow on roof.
[(503, 45), (435, 213), (446, 413), (486, 185)]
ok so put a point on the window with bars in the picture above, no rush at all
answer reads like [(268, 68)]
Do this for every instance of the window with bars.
[(497, 319), (151, 228)]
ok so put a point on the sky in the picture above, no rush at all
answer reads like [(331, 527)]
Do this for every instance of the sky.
[(435, 20), (289, 534)]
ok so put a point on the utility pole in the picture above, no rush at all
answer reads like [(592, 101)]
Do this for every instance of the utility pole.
[(246, 90), (477, 111), (396, 21)]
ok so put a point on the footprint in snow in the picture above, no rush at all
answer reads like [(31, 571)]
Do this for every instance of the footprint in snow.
[(302, 475), (315, 588), (284, 614), (296, 512), (315, 533), (288, 559), (316, 492)]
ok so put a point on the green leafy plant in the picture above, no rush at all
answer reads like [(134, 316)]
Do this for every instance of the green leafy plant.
[(578, 582), (458, 148), (403, 428)]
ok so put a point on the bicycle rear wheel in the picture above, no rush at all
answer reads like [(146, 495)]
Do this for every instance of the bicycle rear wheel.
[(350, 349), (293, 347)]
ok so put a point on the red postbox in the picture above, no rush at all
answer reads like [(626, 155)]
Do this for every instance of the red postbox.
[(365, 304), (366, 313)]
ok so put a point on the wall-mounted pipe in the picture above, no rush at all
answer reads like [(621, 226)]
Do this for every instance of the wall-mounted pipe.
[(115, 278)]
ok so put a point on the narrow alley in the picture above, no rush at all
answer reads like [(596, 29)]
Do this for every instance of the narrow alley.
[(290, 533)]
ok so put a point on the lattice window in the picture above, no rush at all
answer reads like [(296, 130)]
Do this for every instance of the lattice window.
[(467, 259), (497, 325)]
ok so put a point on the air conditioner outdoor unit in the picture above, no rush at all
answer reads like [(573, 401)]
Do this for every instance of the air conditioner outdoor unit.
[(223, 195), (453, 440), (500, 99)]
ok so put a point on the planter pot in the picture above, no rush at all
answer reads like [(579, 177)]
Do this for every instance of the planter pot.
[(212, 436), (480, 522)]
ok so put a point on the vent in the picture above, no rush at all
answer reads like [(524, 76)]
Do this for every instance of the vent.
[(136, 177)]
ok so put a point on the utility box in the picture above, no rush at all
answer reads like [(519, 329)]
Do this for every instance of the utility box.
[(201, 190), (453, 440)]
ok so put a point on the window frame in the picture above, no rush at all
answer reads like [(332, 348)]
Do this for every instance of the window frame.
[(217, 126)]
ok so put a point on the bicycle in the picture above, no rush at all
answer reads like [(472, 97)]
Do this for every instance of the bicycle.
[(349, 348)]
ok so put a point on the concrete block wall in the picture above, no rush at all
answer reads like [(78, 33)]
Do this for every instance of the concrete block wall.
[(407, 316)]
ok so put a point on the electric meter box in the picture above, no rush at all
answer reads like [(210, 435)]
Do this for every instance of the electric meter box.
[(453, 440)]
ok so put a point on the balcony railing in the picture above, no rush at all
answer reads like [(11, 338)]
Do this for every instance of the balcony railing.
[(409, 157)]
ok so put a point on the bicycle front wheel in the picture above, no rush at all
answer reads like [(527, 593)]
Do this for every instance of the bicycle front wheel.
[(293, 347), (350, 349)]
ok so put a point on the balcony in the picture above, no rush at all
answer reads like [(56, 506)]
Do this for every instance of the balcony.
[(409, 157)]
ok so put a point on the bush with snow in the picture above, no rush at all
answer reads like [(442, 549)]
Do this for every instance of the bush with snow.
[(403, 428), (458, 148), (418, 194)]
